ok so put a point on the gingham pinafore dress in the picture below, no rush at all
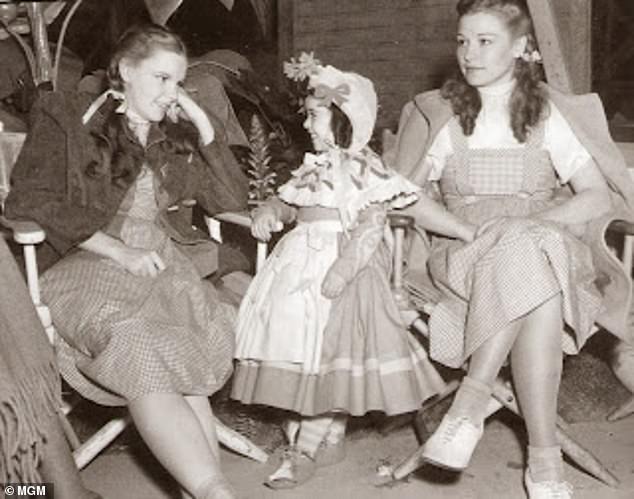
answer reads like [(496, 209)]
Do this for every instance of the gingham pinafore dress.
[(123, 336), (518, 263)]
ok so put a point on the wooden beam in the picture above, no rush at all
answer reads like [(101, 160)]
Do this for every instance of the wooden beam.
[(574, 22), (285, 32), (547, 33)]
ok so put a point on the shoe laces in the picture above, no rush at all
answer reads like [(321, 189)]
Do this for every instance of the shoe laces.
[(453, 426)]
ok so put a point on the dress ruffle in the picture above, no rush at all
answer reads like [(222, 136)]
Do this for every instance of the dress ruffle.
[(360, 179)]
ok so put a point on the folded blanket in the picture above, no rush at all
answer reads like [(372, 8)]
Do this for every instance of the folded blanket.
[(29, 384)]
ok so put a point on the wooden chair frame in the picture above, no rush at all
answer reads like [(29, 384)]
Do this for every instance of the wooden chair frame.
[(29, 235), (414, 302)]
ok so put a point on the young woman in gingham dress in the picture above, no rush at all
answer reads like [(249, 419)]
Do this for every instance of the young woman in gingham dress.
[(519, 190), (138, 325)]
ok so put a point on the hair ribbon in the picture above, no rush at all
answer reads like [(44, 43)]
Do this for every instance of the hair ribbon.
[(99, 101)]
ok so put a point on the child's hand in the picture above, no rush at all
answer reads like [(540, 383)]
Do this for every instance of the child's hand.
[(264, 223), (333, 285)]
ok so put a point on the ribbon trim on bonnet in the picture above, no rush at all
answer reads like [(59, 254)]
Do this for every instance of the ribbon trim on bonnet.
[(352, 93)]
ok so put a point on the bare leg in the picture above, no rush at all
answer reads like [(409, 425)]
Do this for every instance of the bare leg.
[(474, 393), (536, 361), (202, 408), (453, 442), (486, 361), (337, 429), (171, 429)]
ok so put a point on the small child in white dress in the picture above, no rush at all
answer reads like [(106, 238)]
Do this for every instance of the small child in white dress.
[(318, 332)]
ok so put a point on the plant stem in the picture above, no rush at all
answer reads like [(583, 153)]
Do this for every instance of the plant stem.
[(60, 40), (28, 52)]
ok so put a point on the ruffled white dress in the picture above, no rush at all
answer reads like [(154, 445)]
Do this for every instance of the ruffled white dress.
[(301, 351)]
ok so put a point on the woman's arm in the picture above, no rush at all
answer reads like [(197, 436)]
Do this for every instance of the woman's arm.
[(215, 180), (190, 110), (434, 217), (428, 213), (575, 166), (591, 198)]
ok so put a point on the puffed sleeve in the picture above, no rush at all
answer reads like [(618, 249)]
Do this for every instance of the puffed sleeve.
[(438, 153), (567, 153)]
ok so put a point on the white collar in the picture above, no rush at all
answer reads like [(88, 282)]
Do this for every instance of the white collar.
[(498, 89)]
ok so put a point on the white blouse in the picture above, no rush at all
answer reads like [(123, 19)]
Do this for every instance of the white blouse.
[(493, 130)]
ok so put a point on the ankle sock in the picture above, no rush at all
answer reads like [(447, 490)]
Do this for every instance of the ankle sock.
[(311, 432), (215, 487), (545, 464), (471, 400), (337, 429)]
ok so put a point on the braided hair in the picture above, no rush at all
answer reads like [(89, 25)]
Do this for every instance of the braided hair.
[(121, 164)]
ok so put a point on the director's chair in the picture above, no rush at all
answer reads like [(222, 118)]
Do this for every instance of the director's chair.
[(29, 235)]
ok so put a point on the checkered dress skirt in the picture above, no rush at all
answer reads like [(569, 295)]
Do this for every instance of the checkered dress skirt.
[(122, 336), (514, 266)]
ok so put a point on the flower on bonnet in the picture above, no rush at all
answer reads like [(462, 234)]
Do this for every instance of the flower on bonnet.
[(352, 93), (301, 68)]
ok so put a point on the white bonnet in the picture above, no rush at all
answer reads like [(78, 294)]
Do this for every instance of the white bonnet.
[(352, 93)]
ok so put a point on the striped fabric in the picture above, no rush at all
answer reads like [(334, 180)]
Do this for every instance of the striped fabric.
[(368, 360)]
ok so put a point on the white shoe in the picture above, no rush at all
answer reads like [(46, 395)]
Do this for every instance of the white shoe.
[(546, 490), (453, 443)]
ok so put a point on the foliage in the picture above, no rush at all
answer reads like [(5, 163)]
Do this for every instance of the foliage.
[(262, 177), (42, 68)]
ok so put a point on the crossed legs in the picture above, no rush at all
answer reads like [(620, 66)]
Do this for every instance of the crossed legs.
[(534, 345)]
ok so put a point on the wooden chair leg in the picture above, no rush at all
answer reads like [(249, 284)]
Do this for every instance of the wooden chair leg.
[(239, 443), (88, 450), (85, 452), (581, 456), (503, 396), (69, 432)]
